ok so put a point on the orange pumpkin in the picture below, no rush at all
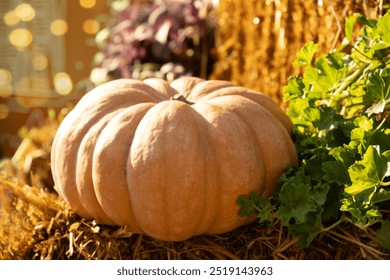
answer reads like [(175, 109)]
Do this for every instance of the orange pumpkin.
[(170, 160)]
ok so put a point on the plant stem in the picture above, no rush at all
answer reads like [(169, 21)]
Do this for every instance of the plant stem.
[(333, 225)]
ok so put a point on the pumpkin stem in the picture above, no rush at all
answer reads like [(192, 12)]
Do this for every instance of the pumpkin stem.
[(181, 98)]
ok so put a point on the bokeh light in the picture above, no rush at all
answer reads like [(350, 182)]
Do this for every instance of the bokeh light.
[(4, 111), (5, 83), (98, 75), (87, 4), (10, 18), (91, 26), (40, 62), (20, 37), (25, 12), (63, 83), (58, 27)]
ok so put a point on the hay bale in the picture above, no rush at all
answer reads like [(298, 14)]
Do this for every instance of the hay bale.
[(258, 40), (41, 226)]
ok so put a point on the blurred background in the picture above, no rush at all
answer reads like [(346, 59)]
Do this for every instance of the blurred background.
[(53, 51), (47, 49)]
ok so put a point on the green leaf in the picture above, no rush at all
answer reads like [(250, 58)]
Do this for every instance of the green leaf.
[(308, 231), (296, 199), (349, 25), (258, 205), (383, 234), (246, 206), (343, 155), (367, 173), (306, 54), (293, 89), (339, 108), (319, 80), (362, 134), (380, 195), (363, 213), (378, 90), (336, 172), (383, 27)]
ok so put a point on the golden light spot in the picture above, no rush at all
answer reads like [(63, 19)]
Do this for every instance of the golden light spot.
[(5, 83), (5, 76), (256, 20), (5, 90), (20, 37), (63, 83), (98, 75), (10, 18), (190, 52), (40, 62), (64, 111), (87, 4), (91, 26), (25, 12), (58, 27), (4, 111)]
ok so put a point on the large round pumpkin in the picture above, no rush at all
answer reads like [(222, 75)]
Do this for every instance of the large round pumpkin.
[(170, 160)]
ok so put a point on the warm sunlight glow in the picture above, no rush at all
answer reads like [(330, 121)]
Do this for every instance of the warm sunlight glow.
[(5, 83), (20, 37), (40, 62), (91, 26), (4, 111), (59, 27), (63, 83), (87, 4), (10, 18), (25, 12)]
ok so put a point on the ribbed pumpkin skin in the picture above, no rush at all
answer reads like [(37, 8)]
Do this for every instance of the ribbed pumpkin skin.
[(128, 154)]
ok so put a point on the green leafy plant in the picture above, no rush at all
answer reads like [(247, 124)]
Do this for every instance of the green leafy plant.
[(340, 111)]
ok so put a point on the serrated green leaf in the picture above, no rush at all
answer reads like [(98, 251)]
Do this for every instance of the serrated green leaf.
[(383, 27), (306, 54), (327, 77), (363, 213), (338, 107), (367, 173), (331, 208), (293, 89), (343, 155), (296, 199), (378, 87), (246, 207), (308, 231), (380, 195), (364, 123), (313, 167), (320, 192), (383, 234), (256, 204), (336, 172)]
